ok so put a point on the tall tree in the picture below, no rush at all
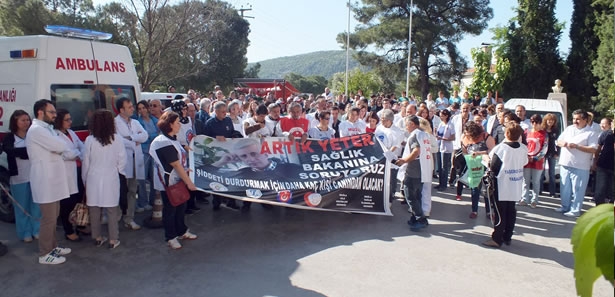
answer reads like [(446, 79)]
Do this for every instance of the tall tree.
[(437, 25), (579, 85), (486, 78), (531, 46), (311, 84), (603, 65)]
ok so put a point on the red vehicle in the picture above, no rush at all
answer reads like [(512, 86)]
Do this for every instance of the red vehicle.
[(281, 88)]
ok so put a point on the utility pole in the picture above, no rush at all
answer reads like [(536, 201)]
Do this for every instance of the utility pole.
[(241, 10)]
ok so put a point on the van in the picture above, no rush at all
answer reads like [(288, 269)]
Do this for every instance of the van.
[(542, 107), (78, 74)]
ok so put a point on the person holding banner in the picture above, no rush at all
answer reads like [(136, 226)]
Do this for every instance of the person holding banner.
[(220, 127), (416, 156), (322, 130), (171, 167), (255, 127), (391, 139), (294, 126)]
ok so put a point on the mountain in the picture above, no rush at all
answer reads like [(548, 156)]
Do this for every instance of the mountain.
[(323, 63)]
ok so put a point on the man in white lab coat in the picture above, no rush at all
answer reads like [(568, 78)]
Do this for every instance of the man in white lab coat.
[(47, 179), (133, 134)]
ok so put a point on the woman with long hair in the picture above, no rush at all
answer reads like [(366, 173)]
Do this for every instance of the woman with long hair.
[(104, 159), (170, 167), (476, 142), (549, 123), (72, 163), (14, 144)]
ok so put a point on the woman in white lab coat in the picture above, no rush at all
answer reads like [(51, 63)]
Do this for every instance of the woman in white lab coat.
[(104, 158), (72, 163)]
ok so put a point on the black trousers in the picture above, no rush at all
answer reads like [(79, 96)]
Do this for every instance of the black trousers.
[(67, 205), (123, 194), (505, 218), (173, 218)]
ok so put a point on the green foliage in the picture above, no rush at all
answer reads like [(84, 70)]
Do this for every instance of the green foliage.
[(252, 71), (530, 44), (579, 85), (369, 82), (438, 25), (592, 247), (483, 79), (311, 84), (323, 63), (603, 65)]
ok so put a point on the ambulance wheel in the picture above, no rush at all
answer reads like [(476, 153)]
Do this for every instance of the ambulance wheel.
[(6, 206)]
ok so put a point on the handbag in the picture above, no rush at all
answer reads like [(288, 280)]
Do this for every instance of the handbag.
[(80, 215), (177, 193)]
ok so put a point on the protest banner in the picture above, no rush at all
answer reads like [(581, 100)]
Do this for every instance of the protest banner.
[(346, 174)]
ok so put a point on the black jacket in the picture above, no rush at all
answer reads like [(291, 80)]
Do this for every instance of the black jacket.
[(8, 145)]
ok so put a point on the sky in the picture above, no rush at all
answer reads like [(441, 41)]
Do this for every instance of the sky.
[(280, 29), (291, 27)]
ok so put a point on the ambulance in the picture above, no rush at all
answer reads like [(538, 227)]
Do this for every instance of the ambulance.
[(73, 67)]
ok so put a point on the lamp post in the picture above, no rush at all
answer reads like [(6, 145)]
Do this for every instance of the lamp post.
[(347, 49), (409, 49)]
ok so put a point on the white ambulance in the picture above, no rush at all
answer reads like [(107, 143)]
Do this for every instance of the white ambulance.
[(76, 71)]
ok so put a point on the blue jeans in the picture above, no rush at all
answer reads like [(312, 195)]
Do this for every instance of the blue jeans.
[(437, 162), (476, 198), (535, 177), (604, 186), (143, 199), (572, 187), (445, 169), (551, 171), (26, 226), (413, 187)]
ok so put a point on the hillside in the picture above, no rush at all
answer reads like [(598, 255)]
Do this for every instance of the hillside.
[(324, 63)]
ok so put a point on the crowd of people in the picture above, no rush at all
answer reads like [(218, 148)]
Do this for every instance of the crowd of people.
[(130, 159)]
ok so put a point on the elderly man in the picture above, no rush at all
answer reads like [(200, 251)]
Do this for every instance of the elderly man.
[(155, 108), (48, 179), (578, 143), (294, 126), (493, 121), (220, 127), (391, 139), (520, 112)]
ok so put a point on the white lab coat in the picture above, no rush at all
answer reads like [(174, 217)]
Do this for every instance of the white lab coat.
[(100, 170), (75, 148), (134, 153), (47, 171)]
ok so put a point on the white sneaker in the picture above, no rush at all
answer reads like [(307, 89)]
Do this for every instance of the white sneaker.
[(189, 236), (132, 225), (51, 258), (61, 251), (174, 244)]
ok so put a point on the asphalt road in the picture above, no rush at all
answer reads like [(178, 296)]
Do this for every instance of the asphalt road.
[(289, 252)]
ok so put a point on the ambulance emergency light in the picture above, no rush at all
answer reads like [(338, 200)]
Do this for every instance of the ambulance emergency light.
[(77, 32), (21, 54)]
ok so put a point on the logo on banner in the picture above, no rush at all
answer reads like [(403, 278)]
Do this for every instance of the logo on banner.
[(285, 196), (312, 199), (218, 187), (253, 193)]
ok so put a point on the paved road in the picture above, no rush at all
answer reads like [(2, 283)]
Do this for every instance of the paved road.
[(288, 252)]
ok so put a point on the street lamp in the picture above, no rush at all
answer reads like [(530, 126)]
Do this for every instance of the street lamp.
[(347, 48), (409, 49)]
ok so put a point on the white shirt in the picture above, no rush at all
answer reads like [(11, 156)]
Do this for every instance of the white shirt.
[(576, 158), (348, 129), (262, 132), (446, 130), (316, 133), (390, 138), (458, 124)]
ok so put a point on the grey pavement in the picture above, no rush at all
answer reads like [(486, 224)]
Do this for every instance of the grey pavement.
[(289, 252)]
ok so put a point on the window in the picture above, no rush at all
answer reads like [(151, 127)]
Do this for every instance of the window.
[(82, 100)]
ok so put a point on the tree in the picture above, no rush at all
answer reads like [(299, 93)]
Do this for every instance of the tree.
[(253, 71), (604, 62), (483, 80), (438, 25), (530, 43), (311, 84), (579, 85), (370, 82)]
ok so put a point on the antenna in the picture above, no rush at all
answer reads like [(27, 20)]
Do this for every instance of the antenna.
[(241, 10)]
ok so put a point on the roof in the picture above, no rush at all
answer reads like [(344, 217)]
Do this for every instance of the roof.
[(266, 83)]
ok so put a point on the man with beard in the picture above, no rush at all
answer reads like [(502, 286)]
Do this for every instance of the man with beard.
[(47, 179)]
